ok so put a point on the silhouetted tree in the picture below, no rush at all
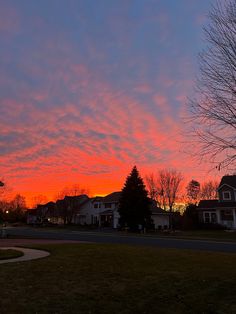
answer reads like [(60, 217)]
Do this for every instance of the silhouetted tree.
[(134, 202), (209, 190), (38, 200), (193, 191), (214, 107), (74, 190), (169, 183), (14, 210), (190, 217)]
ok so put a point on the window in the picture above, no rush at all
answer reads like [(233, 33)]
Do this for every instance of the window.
[(107, 205), (210, 218), (227, 214), (207, 218), (95, 205), (213, 218), (226, 195)]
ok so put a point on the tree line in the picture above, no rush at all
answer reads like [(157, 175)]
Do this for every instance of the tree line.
[(164, 189)]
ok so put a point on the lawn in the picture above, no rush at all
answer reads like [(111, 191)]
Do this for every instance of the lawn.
[(92, 278), (6, 254), (218, 235)]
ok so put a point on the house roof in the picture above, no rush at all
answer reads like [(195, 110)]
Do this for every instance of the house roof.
[(96, 199), (228, 180), (158, 210), (78, 198), (213, 204), (112, 198)]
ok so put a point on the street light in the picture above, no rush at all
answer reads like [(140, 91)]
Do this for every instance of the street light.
[(3, 233)]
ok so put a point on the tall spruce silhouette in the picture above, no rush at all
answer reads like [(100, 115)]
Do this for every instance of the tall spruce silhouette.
[(134, 205)]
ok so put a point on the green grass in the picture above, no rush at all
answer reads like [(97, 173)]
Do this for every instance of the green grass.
[(7, 254), (92, 278)]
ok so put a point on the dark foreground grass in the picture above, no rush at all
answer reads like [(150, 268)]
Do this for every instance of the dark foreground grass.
[(92, 278), (7, 254)]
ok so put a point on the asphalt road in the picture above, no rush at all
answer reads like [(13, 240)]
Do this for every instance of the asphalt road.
[(116, 237)]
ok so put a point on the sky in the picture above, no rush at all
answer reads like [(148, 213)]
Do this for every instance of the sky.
[(90, 88)]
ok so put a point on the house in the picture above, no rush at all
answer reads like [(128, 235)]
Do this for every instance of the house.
[(98, 211), (109, 216), (41, 214), (89, 211), (160, 218), (222, 210)]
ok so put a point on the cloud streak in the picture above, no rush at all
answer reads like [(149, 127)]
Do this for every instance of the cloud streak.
[(75, 110)]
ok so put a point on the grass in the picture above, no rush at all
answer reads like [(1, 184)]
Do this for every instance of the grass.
[(7, 254), (219, 235), (92, 278)]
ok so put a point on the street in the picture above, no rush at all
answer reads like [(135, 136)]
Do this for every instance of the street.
[(116, 237)]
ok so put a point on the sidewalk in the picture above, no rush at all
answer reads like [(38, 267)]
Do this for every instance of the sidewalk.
[(29, 254)]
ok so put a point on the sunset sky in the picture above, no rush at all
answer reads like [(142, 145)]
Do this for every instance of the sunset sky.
[(89, 88)]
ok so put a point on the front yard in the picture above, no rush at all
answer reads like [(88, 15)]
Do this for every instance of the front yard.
[(7, 254), (92, 278)]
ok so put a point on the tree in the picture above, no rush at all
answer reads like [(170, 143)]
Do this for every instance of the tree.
[(134, 202), (209, 190), (38, 200), (169, 181), (190, 217), (17, 209), (151, 184), (214, 107), (73, 190), (193, 191)]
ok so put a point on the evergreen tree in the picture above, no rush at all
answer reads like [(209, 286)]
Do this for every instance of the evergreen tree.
[(134, 205)]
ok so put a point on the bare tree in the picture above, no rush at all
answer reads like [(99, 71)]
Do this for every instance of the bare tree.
[(38, 200), (214, 107), (73, 190), (169, 185), (209, 190), (151, 185)]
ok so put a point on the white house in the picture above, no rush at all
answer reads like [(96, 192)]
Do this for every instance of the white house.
[(103, 211), (223, 210)]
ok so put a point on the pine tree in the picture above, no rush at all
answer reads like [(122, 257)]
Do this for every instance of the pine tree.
[(134, 207)]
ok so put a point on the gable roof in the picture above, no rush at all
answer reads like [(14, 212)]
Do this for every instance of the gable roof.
[(204, 204), (213, 204), (228, 180), (158, 210), (96, 199), (112, 198)]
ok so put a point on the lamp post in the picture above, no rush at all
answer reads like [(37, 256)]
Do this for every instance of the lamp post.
[(3, 233)]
